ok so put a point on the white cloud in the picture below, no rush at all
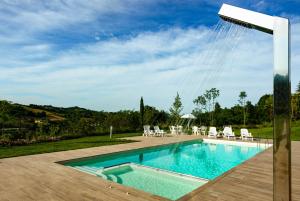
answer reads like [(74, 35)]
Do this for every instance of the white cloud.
[(45, 15)]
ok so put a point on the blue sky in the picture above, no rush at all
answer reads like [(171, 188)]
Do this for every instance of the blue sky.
[(106, 54)]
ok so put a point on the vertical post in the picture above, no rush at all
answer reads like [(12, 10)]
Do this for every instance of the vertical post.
[(110, 133), (282, 105)]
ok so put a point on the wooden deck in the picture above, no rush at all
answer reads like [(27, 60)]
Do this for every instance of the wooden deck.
[(39, 177)]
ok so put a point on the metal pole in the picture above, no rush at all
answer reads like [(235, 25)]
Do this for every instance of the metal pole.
[(110, 133), (282, 116)]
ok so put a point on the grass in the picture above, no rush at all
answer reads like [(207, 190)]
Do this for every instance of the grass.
[(267, 132), (79, 143)]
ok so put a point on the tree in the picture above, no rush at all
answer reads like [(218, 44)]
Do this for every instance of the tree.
[(210, 96), (142, 111), (265, 108), (295, 106), (207, 102), (298, 88), (201, 104), (214, 94), (242, 102), (298, 106), (251, 113), (176, 108), (153, 116), (201, 107), (218, 113)]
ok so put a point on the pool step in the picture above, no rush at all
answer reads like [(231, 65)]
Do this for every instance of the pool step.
[(91, 170), (99, 171), (87, 169), (134, 165)]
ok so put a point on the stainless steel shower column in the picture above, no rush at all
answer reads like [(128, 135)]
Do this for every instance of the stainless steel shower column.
[(280, 28), (282, 117)]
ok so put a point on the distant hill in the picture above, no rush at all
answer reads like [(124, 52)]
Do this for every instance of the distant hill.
[(50, 115), (61, 112), (11, 114), (25, 124)]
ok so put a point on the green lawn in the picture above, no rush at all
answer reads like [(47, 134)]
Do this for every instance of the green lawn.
[(79, 143), (267, 132)]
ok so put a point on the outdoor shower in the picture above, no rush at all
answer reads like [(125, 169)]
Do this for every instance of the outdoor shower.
[(280, 28)]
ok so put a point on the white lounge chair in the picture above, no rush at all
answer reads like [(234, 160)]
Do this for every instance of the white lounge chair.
[(246, 135), (179, 130), (158, 131), (212, 132), (227, 132), (147, 131), (173, 130), (203, 130), (195, 130)]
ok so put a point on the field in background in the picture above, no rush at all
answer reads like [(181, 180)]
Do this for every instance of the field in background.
[(267, 132), (50, 115)]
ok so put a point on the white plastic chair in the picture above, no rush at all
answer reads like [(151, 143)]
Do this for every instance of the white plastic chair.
[(195, 130), (246, 135), (212, 132), (227, 132), (179, 130), (158, 131), (173, 130), (147, 131), (203, 130)]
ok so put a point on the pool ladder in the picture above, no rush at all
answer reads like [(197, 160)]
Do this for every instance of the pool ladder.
[(266, 142)]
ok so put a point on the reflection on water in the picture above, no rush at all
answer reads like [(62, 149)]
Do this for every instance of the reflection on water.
[(141, 157)]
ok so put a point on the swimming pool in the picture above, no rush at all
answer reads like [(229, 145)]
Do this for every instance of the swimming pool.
[(205, 160)]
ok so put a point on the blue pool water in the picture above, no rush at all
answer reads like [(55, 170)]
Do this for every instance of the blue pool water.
[(196, 158), (162, 183)]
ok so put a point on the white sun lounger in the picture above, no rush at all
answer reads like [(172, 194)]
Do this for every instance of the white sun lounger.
[(195, 130), (212, 132), (246, 135), (173, 130), (179, 130), (227, 132), (203, 130), (147, 131), (158, 131)]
